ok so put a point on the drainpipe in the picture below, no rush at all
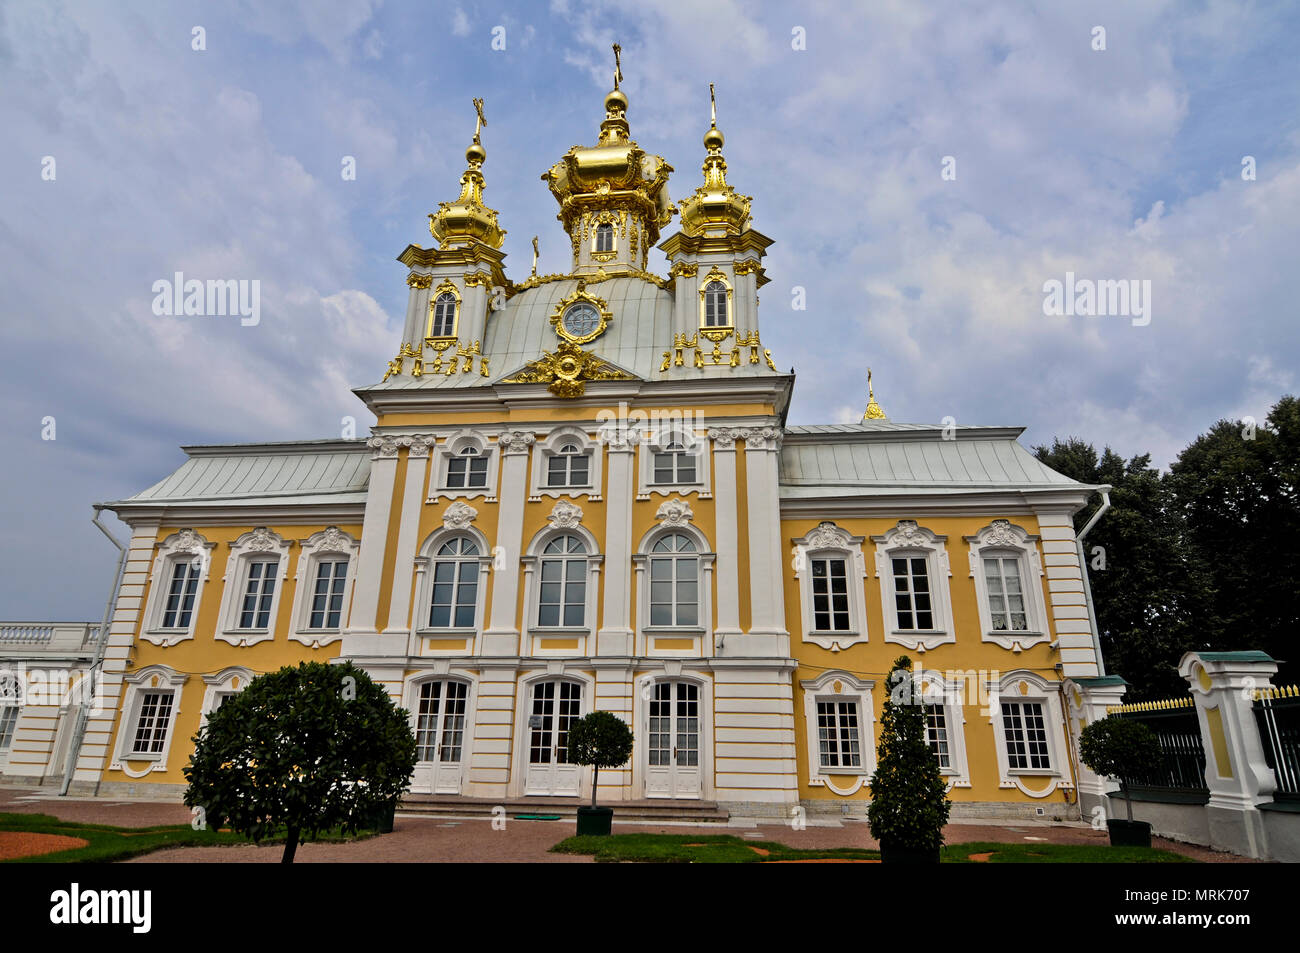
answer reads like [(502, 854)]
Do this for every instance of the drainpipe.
[(1087, 586), (79, 732)]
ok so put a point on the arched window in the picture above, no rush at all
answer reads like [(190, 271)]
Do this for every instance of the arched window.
[(442, 322), (604, 237), (455, 584), (715, 305), (467, 469), (562, 599), (674, 581), (569, 467)]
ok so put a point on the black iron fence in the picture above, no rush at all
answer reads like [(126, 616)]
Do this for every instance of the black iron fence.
[(1176, 727), (1277, 714)]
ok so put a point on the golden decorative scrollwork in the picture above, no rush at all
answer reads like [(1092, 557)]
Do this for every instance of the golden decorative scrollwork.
[(477, 278), (419, 281), (567, 370), (717, 356)]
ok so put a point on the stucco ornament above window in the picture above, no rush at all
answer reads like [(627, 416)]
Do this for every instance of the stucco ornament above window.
[(674, 513), (565, 515), (459, 515)]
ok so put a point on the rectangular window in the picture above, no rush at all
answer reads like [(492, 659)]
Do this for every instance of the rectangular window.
[(563, 598), (327, 599), (1026, 736), (180, 595), (830, 592), (259, 591), (912, 593), (151, 726), (837, 734), (936, 733), (676, 466), (568, 470), (8, 720), (1006, 597), (467, 472), (455, 593), (674, 590)]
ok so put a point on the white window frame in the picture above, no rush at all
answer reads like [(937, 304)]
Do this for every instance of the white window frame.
[(229, 681), (1002, 538), (550, 446), (673, 521), (428, 554), (447, 287), (260, 543), (839, 686), (908, 540), (716, 275), (653, 442), (181, 546), (153, 678), (414, 685), (11, 699), (445, 450), (935, 690), (1023, 685), (564, 522), (330, 542), (828, 541)]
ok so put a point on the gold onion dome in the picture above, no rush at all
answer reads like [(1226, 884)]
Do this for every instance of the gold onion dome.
[(716, 208), (615, 174), (467, 219)]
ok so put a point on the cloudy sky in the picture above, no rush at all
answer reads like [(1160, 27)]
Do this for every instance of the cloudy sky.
[(1122, 163)]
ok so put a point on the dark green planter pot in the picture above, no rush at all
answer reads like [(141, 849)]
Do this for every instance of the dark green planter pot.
[(595, 820), (1129, 833), (381, 820), (908, 855)]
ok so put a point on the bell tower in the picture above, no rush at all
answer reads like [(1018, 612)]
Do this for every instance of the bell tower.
[(613, 196)]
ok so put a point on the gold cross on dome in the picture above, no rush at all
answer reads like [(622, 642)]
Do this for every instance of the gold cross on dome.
[(618, 70), (713, 107), (480, 122)]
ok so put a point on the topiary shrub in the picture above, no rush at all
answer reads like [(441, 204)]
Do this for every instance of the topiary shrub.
[(602, 740), (909, 797), (1120, 748)]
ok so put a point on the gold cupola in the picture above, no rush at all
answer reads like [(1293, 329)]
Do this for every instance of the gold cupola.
[(716, 208), (467, 219), (613, 186)]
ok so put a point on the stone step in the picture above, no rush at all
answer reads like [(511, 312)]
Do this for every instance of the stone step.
[(650, 810)]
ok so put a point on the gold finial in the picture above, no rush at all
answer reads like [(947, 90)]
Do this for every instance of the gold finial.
[(713, 107), (480, 122), (534, 256), (874, 411), (618, 70)]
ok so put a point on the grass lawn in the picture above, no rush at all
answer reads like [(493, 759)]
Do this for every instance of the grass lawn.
[(728, 849), (106, 844)]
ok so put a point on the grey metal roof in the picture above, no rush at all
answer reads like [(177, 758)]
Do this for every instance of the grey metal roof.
[(327, 472), (639, 333), (885, 458)]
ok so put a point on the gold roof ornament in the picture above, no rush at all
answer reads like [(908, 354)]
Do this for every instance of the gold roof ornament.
[(566, 371), (874, 410), (716, 208), (615, 174), (467, 219)]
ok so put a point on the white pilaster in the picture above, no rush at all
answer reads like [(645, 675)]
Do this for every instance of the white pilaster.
[(616, 633), (399, 606), (361, 636), (767, 632), (727, 533), (501, 636)]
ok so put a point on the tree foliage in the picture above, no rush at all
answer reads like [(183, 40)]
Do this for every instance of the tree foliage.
[(304, 749), (1120, 748), (909, 797), (602, 740)]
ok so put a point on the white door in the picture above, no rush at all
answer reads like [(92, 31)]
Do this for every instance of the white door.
[(556, 704), (673, 745), (440, 736)]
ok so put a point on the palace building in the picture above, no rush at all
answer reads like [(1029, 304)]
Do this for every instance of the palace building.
[(582, 493)]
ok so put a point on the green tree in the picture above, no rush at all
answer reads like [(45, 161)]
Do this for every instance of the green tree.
[(1148, 589), (305, 749), (1120, 748), (1236, 488), (602, 740), (909, 797)]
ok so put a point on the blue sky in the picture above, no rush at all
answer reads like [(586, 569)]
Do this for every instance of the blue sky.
[(1122, 163)]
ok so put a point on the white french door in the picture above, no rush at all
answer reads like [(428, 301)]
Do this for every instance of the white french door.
[(440, 736), (673, 741), (555, 705)]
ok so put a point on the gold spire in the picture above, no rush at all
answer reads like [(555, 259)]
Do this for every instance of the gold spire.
[(467, 219), (534, 256), (874, 411), (715, 208)]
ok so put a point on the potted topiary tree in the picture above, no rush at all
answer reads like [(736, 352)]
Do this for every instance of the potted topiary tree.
[(1122, 749), (909, 797), (602, 740)]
